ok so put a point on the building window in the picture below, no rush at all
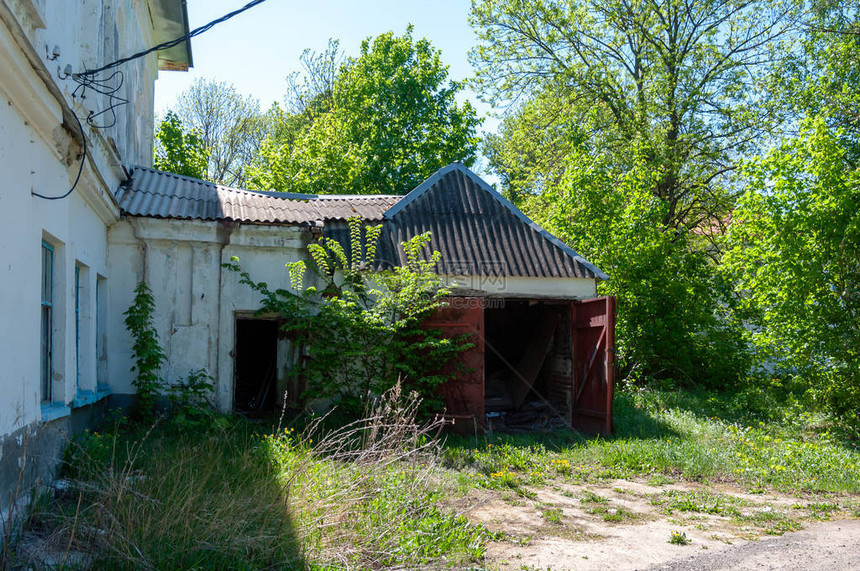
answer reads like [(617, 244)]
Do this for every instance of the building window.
[(78, 327), (101, 330), (47, 344)]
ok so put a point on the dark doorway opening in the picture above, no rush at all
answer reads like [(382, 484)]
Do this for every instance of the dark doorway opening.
[(256, 365), (528, 365)]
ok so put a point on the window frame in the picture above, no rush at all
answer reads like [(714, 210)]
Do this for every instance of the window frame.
[(46, 346)]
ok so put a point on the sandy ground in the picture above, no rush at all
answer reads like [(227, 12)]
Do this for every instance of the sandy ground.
[(562, 528)]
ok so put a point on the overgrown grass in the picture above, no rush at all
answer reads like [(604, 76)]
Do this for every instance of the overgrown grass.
[(369, 495), (361, 497), (746, 437)]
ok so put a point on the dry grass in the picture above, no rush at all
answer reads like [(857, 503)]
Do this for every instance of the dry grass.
[(363, 496)]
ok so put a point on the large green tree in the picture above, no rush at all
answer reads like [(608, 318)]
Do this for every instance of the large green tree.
[(795, 237), (626, 123), (179, 150), (389, 120)]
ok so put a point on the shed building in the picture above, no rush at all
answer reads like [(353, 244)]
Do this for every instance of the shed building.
[(542, 338)]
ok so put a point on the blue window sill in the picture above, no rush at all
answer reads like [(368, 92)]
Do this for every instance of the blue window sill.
[(86, 398), (53, 411)]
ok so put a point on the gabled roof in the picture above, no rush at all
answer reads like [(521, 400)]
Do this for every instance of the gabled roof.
[(158, 194), (477, 231)]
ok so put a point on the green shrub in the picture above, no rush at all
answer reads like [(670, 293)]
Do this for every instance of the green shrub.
[(148, 354), (363, 328), (190, 407)]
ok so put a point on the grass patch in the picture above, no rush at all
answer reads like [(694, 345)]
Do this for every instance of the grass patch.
[(746, 437), (552, 515), (698, 501), (595, 504), (364, 496), (589, 497)]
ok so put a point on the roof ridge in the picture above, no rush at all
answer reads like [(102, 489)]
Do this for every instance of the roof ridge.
[(436, 177)]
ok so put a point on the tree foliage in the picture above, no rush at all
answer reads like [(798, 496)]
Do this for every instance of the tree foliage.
[(820, 76), (179, 151), (795, 253), (387, 120), (673, 310), (674, 79), (231, 127), (310, 92)]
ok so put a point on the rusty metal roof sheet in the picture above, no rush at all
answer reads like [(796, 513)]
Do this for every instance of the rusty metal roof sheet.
[(158, 194), (476, 229)]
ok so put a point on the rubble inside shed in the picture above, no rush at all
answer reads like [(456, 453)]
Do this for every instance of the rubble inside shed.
[(528, 366)]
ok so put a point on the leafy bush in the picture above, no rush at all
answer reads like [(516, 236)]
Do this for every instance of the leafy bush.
[(675, 318), (189, 396), (148, 354), (794, 244), (363, 328), (190, 407)]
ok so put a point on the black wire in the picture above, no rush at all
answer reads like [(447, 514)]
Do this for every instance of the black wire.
[(106, 86), (80, 169), (172, 43)]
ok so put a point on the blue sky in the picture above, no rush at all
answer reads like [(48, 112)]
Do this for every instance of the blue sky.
[(257, 49)]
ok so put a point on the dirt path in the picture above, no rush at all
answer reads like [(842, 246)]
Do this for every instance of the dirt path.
[(627, 525), (825, 546)]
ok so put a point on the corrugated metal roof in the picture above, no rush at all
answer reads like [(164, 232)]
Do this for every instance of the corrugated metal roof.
[(157, 194), (477, 231)]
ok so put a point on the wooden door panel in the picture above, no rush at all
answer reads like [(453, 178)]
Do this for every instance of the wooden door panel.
[(464, 394), (593, 364)]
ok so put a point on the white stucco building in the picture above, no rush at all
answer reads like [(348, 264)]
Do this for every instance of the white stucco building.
[(528, 299), (55, 283)]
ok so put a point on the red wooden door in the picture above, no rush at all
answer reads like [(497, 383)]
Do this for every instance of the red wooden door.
[(593, 364), (464, 394)]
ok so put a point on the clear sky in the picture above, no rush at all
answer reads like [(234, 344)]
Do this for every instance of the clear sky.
[(257, 49)]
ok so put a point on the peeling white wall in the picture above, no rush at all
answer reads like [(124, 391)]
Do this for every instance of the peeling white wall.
[(38, 154), (197, 300)]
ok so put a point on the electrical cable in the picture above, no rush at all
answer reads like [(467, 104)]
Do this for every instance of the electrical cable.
[(172, 43), (80, 169), (106, 86)]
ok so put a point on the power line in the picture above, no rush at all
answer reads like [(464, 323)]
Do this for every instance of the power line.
[(172, 43), (80, 169), (105, 86)]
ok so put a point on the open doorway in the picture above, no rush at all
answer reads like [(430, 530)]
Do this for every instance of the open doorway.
[(256, 365), (528, 365)]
